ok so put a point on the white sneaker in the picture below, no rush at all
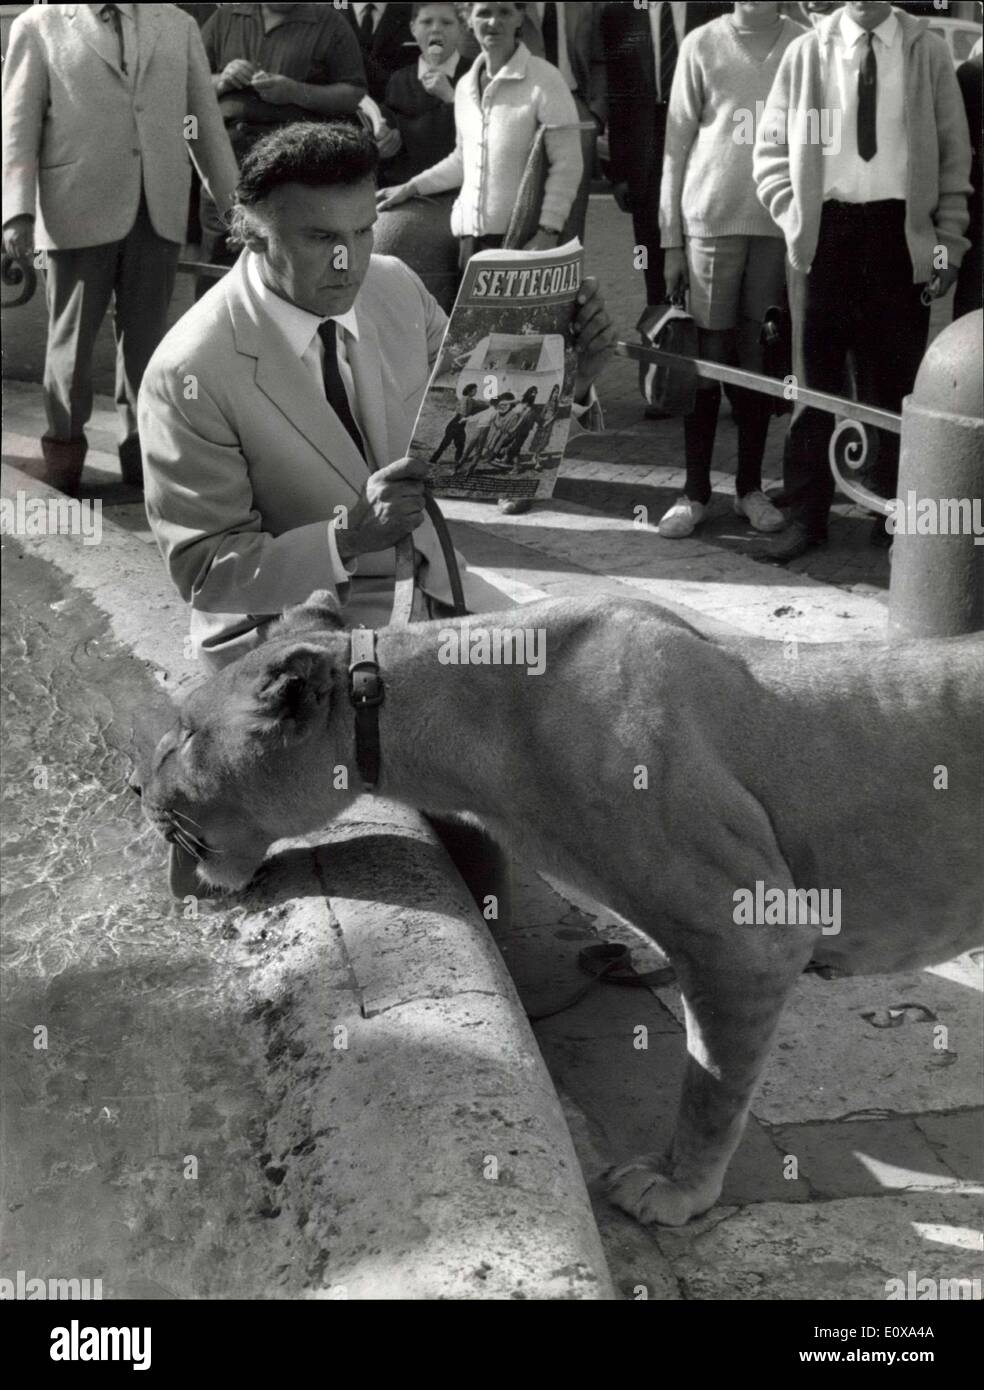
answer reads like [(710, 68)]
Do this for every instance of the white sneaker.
[(682, 518), (760, 512)]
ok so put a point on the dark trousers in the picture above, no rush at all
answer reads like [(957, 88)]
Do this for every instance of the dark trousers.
[(857, 302), (137, 274), (454, 434), (644, 196)]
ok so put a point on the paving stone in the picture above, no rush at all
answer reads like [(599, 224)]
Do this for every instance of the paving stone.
[(849, 1249), (862, 1158), (959, 1141)]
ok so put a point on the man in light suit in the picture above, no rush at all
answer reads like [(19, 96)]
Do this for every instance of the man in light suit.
[(102, 105), (277, 413)]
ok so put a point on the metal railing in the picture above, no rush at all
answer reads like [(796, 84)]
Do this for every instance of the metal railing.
[(849, 443)]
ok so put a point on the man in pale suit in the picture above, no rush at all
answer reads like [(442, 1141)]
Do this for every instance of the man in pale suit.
[(102, 105), (277, 413)]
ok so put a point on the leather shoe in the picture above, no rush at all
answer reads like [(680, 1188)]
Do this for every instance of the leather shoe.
[(796, 540)]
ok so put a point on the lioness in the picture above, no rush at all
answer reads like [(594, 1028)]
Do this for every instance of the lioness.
[(673, 778)]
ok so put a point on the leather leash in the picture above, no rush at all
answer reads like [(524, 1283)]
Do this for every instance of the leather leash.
[(366, 688)]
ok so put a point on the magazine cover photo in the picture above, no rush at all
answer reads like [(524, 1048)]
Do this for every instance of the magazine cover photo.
[(496, 416)]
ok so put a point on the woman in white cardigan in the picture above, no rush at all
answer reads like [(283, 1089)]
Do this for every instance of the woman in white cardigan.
[(499, 105)]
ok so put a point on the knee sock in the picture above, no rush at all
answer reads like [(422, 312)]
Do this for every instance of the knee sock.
[(699, 429), (753, 412)]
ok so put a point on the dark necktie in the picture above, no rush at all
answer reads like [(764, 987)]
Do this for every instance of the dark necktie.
[(868, 103), (110, 14), (551, 36), (335, 386), (366, 24), (669, 50)]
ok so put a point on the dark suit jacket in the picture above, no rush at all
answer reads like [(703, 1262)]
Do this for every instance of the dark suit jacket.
[(425, 122), (392, 46), (636, 122)]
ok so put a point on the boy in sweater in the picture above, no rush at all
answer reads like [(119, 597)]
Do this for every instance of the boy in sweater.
[(874, 223)]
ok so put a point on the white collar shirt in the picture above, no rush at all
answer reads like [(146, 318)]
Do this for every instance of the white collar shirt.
[(846, 176), (679, 12), (103, 32), (378, 11), (300, 330), (449, 67)]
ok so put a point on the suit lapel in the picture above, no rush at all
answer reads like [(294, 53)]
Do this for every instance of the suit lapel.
[(82, 19), (286, 383), (148, 31)]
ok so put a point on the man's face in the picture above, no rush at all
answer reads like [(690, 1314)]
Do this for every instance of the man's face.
[(315, 244), (867, 14), (438, 32)]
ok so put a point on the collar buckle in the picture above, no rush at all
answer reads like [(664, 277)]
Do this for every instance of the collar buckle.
[(366, 693)]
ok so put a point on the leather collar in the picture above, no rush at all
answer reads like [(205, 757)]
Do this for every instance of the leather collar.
[(366, 693)]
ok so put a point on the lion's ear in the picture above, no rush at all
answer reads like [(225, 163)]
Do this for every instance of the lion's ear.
[(293, 691), (319, 611)]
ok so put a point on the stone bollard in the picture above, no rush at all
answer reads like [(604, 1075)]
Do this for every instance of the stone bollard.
[(937, 585)]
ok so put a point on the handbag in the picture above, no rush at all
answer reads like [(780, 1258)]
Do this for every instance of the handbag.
[(525, 217), (671, 389)]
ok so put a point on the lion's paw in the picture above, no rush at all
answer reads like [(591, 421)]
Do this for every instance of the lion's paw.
[(648, 1195)]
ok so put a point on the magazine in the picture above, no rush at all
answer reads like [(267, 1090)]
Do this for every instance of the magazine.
[(495, 419)]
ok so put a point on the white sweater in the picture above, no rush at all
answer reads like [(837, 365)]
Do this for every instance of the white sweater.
[(495, 134)]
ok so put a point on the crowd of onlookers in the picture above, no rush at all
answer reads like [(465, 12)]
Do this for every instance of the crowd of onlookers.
[(819, 163)]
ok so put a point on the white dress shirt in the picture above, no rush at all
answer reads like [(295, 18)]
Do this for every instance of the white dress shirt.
[(300, 329), (360, 10), (449, 67), (846, 176), (103, 33), (563, 58), (679, 12)]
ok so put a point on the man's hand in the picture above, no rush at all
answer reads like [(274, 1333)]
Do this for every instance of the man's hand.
[(542, 240), (675, 272), (391, 197), (620, 192), (18, 237), (438, 84), (388, 142), (238, 73), (391, 506), (271, 87), (942, 282), (594, 335)]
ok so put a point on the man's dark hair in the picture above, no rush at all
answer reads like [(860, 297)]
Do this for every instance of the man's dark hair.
[(316, 153), (470, 389)]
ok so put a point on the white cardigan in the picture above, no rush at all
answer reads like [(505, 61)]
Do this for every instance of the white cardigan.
[(495, 133)]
